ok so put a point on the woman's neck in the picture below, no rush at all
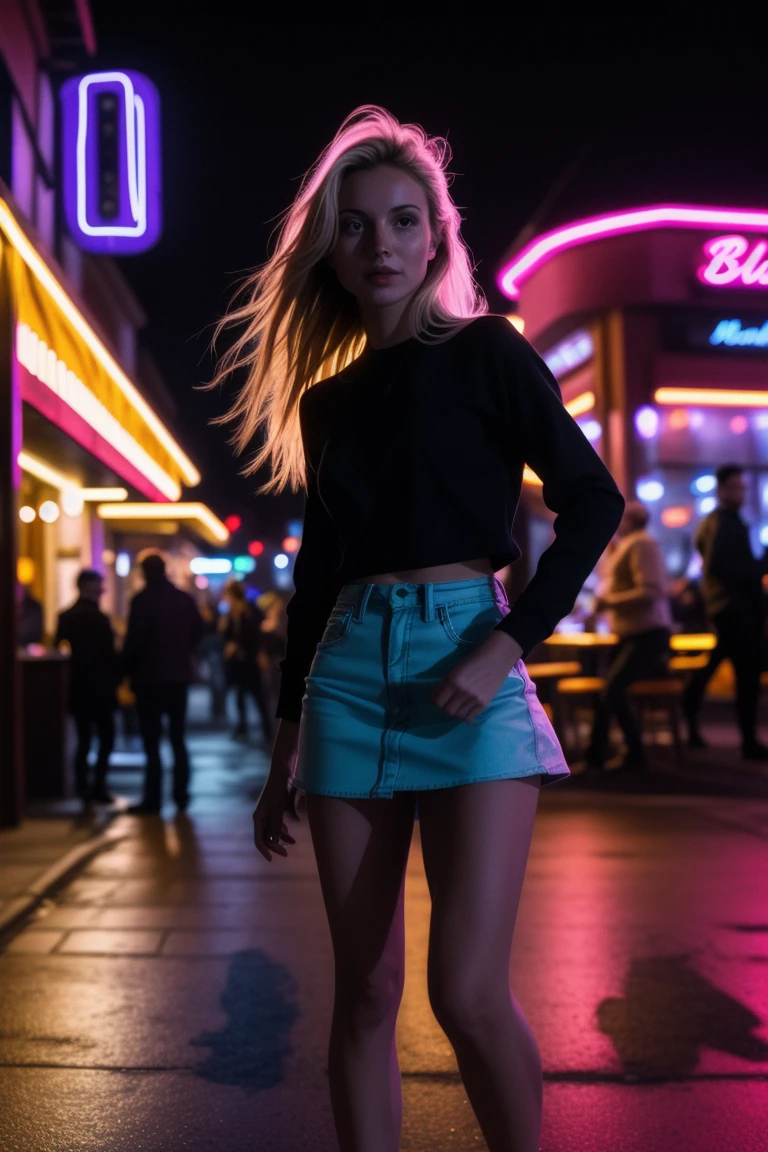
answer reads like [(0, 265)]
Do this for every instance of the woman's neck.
[(384, 329)]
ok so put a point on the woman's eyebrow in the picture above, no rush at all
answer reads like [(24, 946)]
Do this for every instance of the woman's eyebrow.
[(398, 208)]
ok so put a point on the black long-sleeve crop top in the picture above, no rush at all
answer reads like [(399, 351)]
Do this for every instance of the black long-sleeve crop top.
[(415, 458)]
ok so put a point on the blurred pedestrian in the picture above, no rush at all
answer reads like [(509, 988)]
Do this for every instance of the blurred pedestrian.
[(30, 627), (273, 638), (635, 593), (733, 595), (211, 652), (241, 628), (164, 630), (375, 381), (93, 674)]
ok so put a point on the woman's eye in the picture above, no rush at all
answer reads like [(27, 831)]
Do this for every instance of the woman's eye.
[(352, 226), (405, 221)]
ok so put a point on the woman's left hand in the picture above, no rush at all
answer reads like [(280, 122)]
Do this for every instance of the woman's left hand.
[(472, 683)]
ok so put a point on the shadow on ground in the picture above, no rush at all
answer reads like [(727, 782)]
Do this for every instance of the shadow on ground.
[(669, 1014), (260, 1000)]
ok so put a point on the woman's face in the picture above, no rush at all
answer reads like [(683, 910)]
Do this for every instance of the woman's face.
[(385, 243)]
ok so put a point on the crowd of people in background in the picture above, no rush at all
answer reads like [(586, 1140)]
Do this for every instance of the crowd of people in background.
[(233, 644)]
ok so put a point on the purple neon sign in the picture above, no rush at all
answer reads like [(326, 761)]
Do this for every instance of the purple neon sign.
[(111, 159)]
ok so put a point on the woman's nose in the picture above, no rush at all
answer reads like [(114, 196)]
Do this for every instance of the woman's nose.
[(382, 241)]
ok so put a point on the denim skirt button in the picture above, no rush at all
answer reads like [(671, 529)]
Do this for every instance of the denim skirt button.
[(402, 592)]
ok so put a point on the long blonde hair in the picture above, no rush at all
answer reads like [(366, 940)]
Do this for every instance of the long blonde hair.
[(299, 325)]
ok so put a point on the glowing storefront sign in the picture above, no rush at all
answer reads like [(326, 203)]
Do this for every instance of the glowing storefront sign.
[(44, 309), (569, 354), (712, 397), (44, 365), (731, 333), (111, 160), (543, 248), (735, 260), (210, 525)]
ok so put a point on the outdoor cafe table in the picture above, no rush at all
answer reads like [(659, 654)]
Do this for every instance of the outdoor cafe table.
[(594, 646)]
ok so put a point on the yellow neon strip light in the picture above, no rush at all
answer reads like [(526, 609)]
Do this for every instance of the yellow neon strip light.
[(169, 511), (44, 472), (50, 475), (711, 397), (42, 273), (99, 494), (580, 404)]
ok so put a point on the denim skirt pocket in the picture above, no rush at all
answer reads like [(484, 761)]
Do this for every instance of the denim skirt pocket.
[(467, 625), (337, 628)]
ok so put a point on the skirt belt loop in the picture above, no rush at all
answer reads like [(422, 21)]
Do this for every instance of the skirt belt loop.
[(429, 602), (362, 603)]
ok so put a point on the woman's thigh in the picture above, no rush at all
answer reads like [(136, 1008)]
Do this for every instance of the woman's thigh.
[(362, 847), (475, 841)]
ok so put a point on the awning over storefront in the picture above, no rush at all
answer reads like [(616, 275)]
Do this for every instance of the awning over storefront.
[(67, 374)]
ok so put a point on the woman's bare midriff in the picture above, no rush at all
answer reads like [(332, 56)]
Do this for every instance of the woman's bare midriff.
[(441, 573)]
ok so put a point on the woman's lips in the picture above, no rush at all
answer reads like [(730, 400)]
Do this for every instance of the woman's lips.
[(381, 275)]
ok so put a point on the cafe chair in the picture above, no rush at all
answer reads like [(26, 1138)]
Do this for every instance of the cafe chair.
[(659, 708), (658, 704), (576, 696), (546, 676), (687, 663)]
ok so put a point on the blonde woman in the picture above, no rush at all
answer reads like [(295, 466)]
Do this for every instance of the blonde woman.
[(407, 414)]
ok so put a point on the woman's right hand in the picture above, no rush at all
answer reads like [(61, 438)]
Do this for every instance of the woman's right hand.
[(270, 832)]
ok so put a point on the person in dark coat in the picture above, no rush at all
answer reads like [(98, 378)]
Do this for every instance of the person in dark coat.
[(733, 595), (93, 675), (242, 646), (164, 630)]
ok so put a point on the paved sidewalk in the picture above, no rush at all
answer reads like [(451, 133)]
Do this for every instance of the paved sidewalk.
[(58, 837), (174, 995), (42, 852)]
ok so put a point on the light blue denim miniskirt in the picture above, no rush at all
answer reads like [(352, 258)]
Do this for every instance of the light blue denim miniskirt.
[(368, 725)]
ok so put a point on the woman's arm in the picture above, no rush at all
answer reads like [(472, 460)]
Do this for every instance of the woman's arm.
[(577, 487), (316, 588)]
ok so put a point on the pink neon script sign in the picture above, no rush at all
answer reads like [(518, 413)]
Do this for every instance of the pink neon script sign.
[(546, 245), (734, 260)]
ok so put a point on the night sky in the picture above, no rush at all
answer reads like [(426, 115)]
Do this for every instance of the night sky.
[(542, 119)]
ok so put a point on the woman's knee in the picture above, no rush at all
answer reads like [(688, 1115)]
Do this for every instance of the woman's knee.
[(467, 1003), (368, 999)]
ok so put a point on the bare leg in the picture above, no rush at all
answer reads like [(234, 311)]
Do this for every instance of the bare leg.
[(475, 841), (362, 849)]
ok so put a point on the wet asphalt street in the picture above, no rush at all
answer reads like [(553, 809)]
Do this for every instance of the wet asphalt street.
[(177, 993)]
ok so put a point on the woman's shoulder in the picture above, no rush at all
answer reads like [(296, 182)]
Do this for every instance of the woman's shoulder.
[(489, 332), (323, 393)]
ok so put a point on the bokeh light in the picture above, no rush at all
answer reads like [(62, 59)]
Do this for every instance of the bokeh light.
[(676, 517), (49, 512), (647, 422), (27, 514), (649, 490)]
